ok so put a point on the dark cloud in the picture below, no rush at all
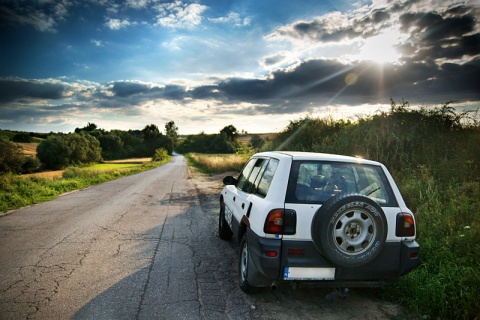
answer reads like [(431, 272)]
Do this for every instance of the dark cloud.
[(13, 89), (42, 15), (312, 83), (138, 91), (320, 81), (334, 28), (129, 88), (445, 35), (206, 92)]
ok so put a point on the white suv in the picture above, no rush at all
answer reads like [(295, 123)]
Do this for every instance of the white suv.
[(317, 217)]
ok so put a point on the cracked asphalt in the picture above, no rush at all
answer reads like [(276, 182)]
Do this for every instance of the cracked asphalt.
[(139, 247), (144, 247)]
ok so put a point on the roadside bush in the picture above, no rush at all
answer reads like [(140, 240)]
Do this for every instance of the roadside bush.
[(72, 172), (60, 150), (11, 156), (31, 164), (160, 155)]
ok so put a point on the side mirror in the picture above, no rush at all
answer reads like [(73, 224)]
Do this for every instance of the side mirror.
[(229, 180)]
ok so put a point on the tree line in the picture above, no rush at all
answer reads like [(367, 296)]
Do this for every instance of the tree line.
[(85, 145), (92, 144)]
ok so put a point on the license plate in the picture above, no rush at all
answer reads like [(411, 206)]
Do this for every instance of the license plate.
[(297, 273)]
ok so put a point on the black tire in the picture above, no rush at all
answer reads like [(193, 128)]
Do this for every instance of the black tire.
[(244, 264), (224, 231), (350, 230)]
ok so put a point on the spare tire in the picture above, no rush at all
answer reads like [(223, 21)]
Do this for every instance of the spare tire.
[(350, 230)]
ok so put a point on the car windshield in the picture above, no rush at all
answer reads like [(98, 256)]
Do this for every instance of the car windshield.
[(317, 181)]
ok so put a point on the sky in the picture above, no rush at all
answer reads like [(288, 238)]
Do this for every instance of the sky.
[(207, 64)]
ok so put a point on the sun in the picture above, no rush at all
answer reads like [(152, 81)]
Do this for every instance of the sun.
[(381, 48)]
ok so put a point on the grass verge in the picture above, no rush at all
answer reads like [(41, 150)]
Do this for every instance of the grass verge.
[(17, 191), (216, 163), (445, 284)]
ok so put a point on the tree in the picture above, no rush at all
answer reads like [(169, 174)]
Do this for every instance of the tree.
[(154, 139), (22, 137), (151, 136), (11, 156), (84, 148), (171, 130), (112, 146), (256, 141), (230, 131), (221, 144), (53, 152), (61, 150), (88, 128)]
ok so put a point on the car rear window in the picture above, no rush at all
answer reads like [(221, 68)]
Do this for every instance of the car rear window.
[(317, 181)]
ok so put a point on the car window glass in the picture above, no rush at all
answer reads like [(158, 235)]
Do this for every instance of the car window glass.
[(247, 169), (267, 177), (316, 182), (249, 185)]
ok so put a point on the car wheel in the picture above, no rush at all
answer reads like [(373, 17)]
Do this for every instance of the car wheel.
[(350, 230), (224, 230), (244, 264)]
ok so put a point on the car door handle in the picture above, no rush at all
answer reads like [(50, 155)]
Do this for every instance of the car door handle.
[(234, 199), (243, 205)]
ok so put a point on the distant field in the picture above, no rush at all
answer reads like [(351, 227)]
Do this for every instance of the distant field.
[(29, 149), (245, 138), (112, 166), (133, 160), (99, 167), (46, 174)]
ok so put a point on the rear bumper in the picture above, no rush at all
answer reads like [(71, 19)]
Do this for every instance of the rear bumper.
[(395, 260)]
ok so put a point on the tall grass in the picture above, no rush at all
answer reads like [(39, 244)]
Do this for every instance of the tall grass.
[(434, 155), (445, 286), (217, 163)]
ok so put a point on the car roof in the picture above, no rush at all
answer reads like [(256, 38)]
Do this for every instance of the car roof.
[(298, 155)]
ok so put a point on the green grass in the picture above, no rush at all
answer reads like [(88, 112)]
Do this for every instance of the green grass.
[(434, 156), (445, 285), (111, 166), (17, 191)]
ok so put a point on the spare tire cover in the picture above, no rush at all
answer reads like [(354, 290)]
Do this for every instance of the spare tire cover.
[(350, 230)]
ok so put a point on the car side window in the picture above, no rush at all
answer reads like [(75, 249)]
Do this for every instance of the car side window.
[(247, 181), (266, 178), (250, 185), (247, 169)]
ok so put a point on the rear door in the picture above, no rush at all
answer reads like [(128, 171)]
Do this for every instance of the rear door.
[(247, 185), (311, 183)]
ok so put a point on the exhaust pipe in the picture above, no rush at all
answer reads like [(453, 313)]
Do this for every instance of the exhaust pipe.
[(273, 286)]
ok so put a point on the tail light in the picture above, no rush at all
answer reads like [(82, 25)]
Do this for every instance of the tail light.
[(281, 221), (405, 225)]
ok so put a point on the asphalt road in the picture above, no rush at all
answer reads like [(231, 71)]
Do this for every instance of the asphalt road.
[(144, 247)]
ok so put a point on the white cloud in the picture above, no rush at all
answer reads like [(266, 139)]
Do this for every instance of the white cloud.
[(232, 17), (117, 24), (97, 43), (177, 14), (138, 4)]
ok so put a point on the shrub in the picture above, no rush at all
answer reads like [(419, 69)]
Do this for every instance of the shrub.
[(31, 164), (11, 156), (60, 150), (160, 155)]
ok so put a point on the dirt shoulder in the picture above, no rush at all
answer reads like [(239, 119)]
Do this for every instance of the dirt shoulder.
[(302, 301)]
